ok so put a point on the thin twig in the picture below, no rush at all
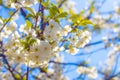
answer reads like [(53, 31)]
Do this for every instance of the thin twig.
[(6, 61), (74, 64), (27, 74), (37, 16), (115, 66), (8, 20), (101, 41), (42, 17), (9, 68)]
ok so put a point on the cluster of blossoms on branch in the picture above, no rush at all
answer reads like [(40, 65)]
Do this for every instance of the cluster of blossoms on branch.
[(33, 51), (110, 62), (90, 71), (14, 3), (37, 43)]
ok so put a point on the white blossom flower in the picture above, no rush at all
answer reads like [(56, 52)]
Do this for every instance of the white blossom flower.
[(22, 28), (116, 78), (28, 3), (39, 53), (85, 37), (72, 50), (19, 58), (110, 61), (52, 32), (105, 39), (116, 49), (65, 30), (7, 76), (91, 72)]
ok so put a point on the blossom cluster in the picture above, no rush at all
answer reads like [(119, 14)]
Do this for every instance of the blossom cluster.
[(25, 47), (18, 3), (55, 72), (90, 71), (112, 56)]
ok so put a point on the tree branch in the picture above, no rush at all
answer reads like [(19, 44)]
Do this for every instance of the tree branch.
[(6, 61), (62, 63), (27, 74), (101, 41), (8, 20), (37, 17), (42, 17)]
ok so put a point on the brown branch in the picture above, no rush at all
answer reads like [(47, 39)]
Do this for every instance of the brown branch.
[(37, 17), (62, 63), (101, 41), (9, 68), (6, 61), (27, 74), (42, 17)]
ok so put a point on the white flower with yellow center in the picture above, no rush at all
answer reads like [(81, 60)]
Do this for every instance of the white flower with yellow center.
[(40, 53), (65, 30), (72, 50), (27, 3), (22, 28), (92, 72), (6, 76), (52, 32), (19, 58), (85, 38)]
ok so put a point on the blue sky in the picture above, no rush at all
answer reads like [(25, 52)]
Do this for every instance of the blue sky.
[(99, 56)]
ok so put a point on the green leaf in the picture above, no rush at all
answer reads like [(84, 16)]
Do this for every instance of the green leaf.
[(30, 10), (78, 20), (57, 20), (12, 1), (28, 24), (38, 14), (92, 8), (17, 76), (38, 0), (82, 12), (86, 22), (32, 41), (22, 42), (29, 15), (61, 10), (10, 13), (46, 4), (53, 11), (1, 1), (28, 38), (5, 20), (62, 15)]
